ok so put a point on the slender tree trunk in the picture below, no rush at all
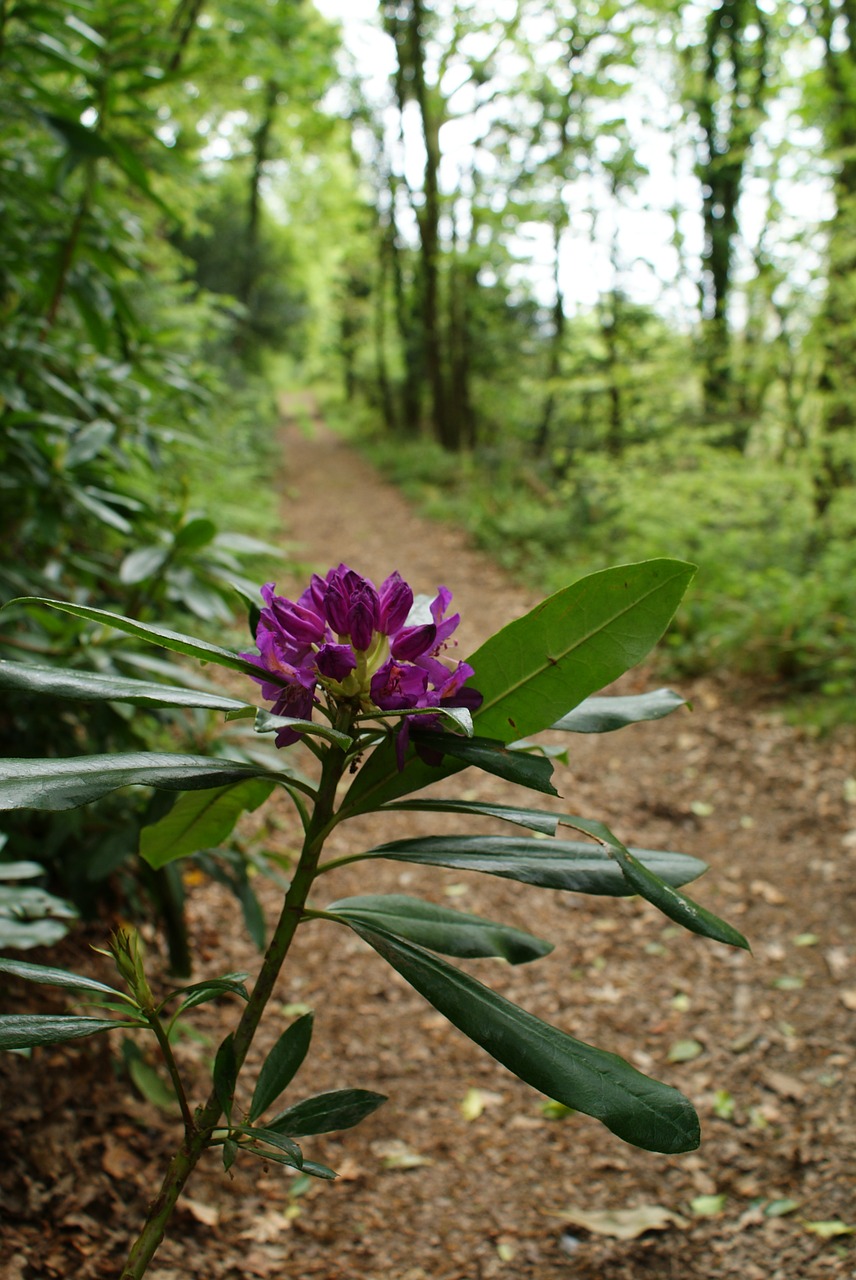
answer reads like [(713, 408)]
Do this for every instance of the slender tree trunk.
[(387, 401), (429, 230), (409, 322), (557, 343), (183, 23), (261, 154), (836, 467), (734, 81)]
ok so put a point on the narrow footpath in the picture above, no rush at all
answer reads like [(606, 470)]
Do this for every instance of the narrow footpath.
[(467, 1174)]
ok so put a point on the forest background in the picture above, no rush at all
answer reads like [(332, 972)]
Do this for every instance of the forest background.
[(205, 205)]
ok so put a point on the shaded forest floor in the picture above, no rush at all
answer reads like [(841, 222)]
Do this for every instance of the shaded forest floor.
[(463, 1174)]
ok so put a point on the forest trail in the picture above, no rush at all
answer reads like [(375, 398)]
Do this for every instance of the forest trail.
[(463, 1175)]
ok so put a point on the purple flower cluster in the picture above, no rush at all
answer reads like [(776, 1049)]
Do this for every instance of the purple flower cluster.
[(359, 646)]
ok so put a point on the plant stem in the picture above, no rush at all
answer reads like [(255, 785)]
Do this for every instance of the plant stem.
[(198, 1135), (162, 1038)]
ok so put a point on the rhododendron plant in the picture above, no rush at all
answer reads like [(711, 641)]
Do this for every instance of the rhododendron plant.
[(364, 684)]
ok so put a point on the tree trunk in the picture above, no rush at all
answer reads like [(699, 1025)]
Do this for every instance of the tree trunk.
[(836, 467), (429, 234), (557, 342), (734, 80)]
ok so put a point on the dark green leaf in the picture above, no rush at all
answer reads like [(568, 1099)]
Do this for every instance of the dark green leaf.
[(201, 820), (225, 1075), (281, 1065), (55, 977), (28, 1030), (201, 992), (64, 784), (534, 819), (89, 685), (642, 1111), (327, 1112), (492, 756), (195, 533), (602, 715), (454, 933), (318, 1170), (677, 906), (265, 722), (172, 640), (572, 644), (575, 865), (288, 1152)]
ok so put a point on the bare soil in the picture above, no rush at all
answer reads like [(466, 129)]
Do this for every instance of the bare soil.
[(464, 1174)]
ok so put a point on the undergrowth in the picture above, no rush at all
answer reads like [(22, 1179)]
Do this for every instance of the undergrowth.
[(773, 597)]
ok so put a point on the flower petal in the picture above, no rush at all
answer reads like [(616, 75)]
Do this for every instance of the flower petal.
[(412, 642)]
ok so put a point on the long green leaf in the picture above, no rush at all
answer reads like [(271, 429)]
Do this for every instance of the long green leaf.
[(212, 989), (327, 1112), (201, 820), (166, 639), (574, 865), (642, 1111), (288, 1152), (55, 977), (572, 644), (677, 906), (281, 1065), (92, 686), (29, 1030), (267, 723), (65, 784), (603, 715), (454, 933), (534, 819), (492, 756), (225, 1075)]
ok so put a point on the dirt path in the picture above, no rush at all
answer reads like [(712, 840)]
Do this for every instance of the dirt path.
[(463, 1175)]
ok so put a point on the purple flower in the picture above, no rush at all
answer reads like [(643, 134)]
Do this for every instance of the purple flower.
[(345, 644)]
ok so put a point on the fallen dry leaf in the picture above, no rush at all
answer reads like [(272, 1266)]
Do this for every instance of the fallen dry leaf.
[(785, 1086), (397, 1155), (622, 1224), (770, 894), (475, 1101), (207, 1214), (118, 1161)]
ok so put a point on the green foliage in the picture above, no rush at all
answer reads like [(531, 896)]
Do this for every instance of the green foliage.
[(772, 595), (29, 916), (116, 429)]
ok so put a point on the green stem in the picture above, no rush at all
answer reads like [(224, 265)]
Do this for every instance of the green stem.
[(162, 1038), (206, 1120)]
